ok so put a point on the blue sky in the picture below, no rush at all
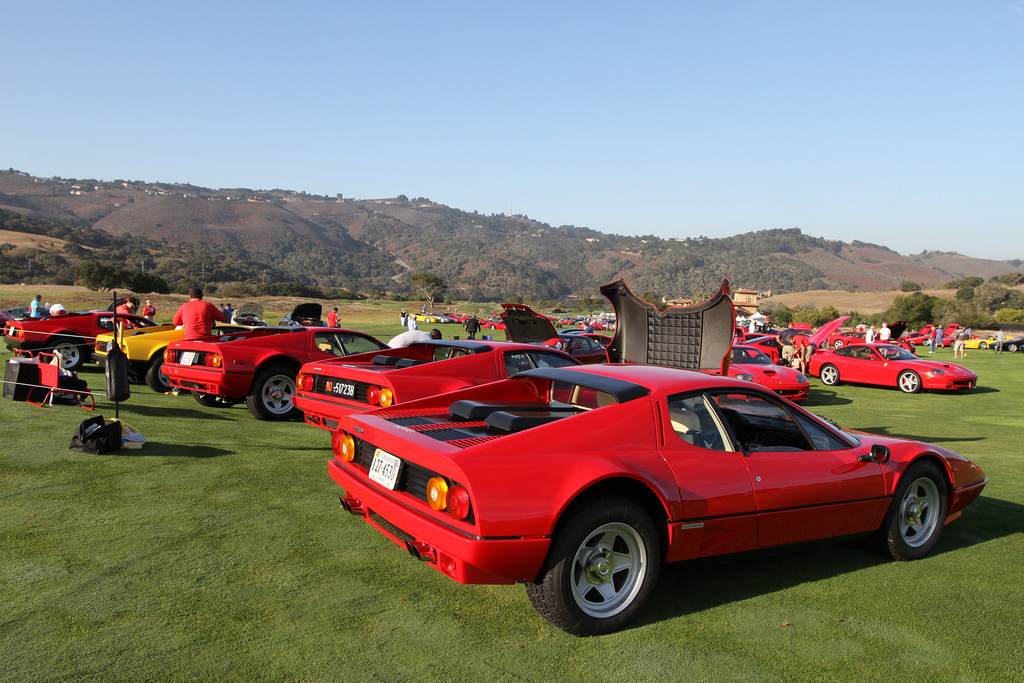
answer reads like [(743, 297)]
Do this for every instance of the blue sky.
[(899, 123)]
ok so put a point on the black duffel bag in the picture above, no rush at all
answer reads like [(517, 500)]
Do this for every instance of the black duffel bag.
[(95, 436)]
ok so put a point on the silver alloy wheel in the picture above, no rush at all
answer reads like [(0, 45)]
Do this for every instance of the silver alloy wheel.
[(919, 512), (608, 569), (277, 393), (71, 354), (829, 375), (909, 382)]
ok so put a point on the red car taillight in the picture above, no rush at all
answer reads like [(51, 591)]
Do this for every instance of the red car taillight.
[(343, 446), (168, 356), (213, 360), (305, 382)]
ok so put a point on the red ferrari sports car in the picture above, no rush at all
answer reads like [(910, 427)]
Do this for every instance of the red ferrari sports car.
[(327, 389), (72, 335), (888, 365), (750, 364), (259, 366), (677, 465)]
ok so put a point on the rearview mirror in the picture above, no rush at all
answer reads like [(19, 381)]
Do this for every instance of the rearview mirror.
[(878, 453)]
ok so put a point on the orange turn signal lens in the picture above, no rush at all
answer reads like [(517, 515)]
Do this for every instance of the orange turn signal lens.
[(168, 356), (437, 493), (387, 397), (304, 382), (343, 446)]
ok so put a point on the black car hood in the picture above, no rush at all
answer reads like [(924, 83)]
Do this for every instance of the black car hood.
[(525, 326), (897, 329), (690, 337), (306, 310)]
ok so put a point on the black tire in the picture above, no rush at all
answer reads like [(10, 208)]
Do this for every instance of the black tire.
[(909, 382), (73, 351), (982, 345), (838, 343), (1011, 347), (156, 380), (272, 394), (829, 375), (916, 515), (600, 570)]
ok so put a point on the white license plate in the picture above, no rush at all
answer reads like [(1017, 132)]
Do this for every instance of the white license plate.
[(342, 389), (384, 469), (188, 357)]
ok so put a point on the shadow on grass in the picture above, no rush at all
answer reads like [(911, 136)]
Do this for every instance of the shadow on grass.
[(886, 431), (693, 587), (176, 450), (176, 413)]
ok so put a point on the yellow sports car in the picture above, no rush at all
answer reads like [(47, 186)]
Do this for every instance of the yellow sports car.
[(145, 352), (980, 342)]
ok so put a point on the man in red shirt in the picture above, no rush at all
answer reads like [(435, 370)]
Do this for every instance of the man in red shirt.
[(803, 351), (332, 318), (127, 308), (196, 316)]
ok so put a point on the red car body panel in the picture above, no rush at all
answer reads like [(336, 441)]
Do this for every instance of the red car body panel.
[(244, 354), (339, 387), (511, 450), (877, 364)]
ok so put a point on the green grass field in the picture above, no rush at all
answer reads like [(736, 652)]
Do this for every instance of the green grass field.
[(218, 552)]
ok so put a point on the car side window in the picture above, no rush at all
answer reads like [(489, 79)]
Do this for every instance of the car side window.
[(516, 361), (694, 422), (542, 359), (761, 424), (342, 344)]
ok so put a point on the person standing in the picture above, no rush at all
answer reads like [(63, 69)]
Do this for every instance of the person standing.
[(869, 336), (196, 316), (472, 326), (1000, 338), (934, 339), (958, 343), (228, 312), (884, 334), (332, 318), (149, 310), (35, 307)]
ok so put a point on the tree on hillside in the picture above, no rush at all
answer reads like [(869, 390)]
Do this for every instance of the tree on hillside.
[(98, 276), (429, 285)]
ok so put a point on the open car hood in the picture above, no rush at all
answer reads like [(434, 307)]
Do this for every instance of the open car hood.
[(306, 310), (897, 329), (524, 325), (826, 330), (690, 337), (250, 308)]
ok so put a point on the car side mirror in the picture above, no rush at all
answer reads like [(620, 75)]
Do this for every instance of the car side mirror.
[(878, 453)]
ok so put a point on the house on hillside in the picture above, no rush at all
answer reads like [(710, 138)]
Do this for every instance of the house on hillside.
[(745, 302)]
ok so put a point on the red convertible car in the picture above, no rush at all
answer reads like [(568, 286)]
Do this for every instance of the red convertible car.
[(750, 364), (480, 484), (890, 366), (326, 390), (72, 335), (259, 366)]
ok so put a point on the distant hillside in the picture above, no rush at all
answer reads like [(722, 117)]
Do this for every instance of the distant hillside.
[(187, 233)]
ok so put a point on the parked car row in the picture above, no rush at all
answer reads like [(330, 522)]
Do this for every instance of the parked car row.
[(573, 466)]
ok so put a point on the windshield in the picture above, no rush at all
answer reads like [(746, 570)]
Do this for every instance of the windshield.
[(750, 356)]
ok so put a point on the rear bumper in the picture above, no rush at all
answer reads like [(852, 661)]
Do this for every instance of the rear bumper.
[(460, 556), (208, 381)]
